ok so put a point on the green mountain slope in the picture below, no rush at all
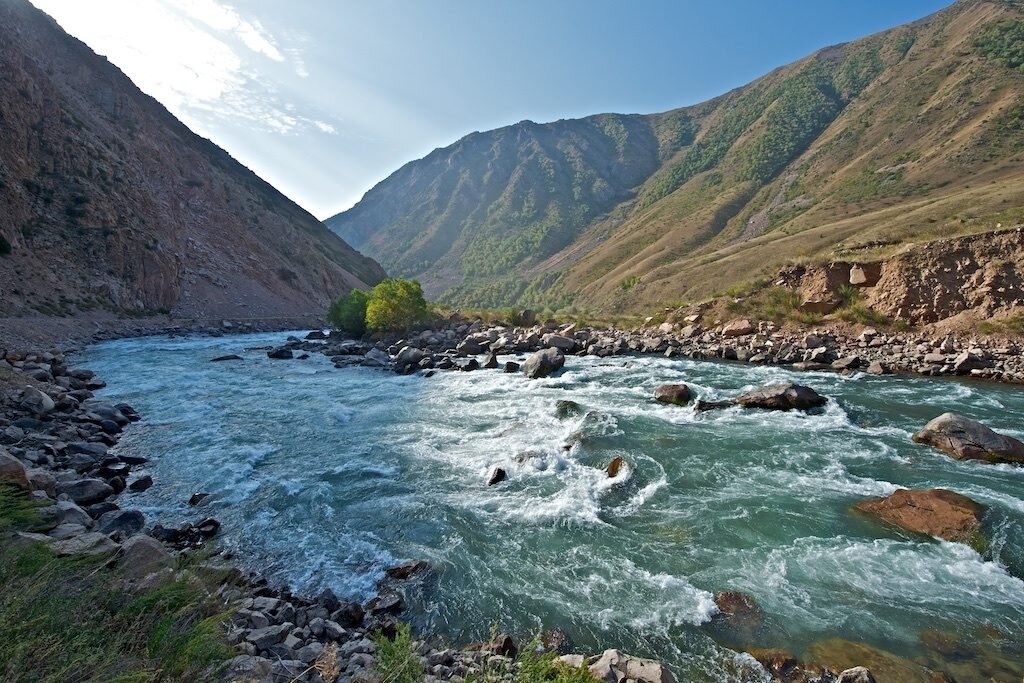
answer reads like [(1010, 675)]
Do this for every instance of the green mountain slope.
[(860, 148)]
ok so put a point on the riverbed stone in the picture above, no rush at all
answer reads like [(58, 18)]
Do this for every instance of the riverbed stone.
[(544, 363), (496, 476), (966, 439), (934, 512), (676, 394), (783, 396)]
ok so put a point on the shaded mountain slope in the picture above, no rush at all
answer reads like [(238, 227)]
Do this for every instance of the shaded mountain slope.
[(854, 151), (107, 202)]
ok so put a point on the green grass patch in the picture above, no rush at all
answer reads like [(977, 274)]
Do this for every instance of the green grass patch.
[(1013, 326), (67, 619), (397, 660)]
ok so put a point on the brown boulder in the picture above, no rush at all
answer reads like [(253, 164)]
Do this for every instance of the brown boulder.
[(935, 512), (738, 610), (785, 396), (615, 466), (677, 394), (738, 328), (786, 668)]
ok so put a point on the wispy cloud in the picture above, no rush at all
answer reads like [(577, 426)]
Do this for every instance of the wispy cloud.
[(202, 59)]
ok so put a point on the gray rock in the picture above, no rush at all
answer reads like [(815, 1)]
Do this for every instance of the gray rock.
[(857, 674), (543, 363), (263, 638), (142, 555), (559, 342), (496, 476), (124, 522), (13, 471), (614, 667), (310, 652), (36, 401), (965, 439), (92, 543), (70, 513), (86, 491), (248, 669), (65, 531)]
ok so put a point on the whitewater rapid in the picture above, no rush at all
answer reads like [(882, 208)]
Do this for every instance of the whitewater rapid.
[(324, 477)]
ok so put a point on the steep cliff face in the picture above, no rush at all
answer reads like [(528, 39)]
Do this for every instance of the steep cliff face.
[(851, 153), (107, 202)]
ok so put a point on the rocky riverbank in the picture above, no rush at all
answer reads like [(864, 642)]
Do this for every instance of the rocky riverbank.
[(457, 344)]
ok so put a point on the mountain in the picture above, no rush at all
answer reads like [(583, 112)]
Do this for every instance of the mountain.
[(108, 203), (853, 152)]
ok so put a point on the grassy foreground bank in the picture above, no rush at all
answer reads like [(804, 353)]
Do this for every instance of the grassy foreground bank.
[(76, 619)]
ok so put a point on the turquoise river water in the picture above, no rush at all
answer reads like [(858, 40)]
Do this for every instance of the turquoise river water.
[(324, 477)]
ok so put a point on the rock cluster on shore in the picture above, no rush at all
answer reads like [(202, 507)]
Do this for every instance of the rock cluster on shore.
[(454, 345)]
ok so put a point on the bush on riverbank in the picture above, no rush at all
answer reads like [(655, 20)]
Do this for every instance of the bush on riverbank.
[(67, 619), (394, 305), (348, 313)]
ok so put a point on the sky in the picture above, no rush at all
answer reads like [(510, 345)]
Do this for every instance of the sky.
[(325, 98)]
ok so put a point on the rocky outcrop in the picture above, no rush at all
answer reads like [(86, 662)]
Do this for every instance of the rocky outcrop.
[(966, 439), (934, 512), (111, 204), (925, 283)]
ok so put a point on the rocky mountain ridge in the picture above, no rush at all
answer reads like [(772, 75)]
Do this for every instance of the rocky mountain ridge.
[(109, 205), (851, 153)]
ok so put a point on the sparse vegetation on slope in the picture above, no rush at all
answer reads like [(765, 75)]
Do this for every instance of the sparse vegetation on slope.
[(904, 136)]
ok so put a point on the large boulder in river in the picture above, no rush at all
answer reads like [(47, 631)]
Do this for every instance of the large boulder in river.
[(785, 396), (543, 363), (965, 439), (934, 512), (678, 394)]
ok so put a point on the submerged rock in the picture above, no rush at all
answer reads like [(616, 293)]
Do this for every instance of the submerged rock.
[(965, 439), (281, 353), (738, 610), (934, 512), (543, 363), (221, 359), (615, 466), (786, 668), (497, 475), (784, 396), (677, 394), (406, 570), (565, 408)]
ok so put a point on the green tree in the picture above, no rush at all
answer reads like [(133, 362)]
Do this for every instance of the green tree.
[(349, 312), (395, 305)]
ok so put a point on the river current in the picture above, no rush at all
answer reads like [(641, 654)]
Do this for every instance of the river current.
[(325, 477)]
